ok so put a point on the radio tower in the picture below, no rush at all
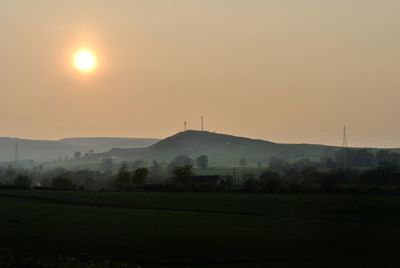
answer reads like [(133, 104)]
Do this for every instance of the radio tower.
[(202, 123), (345, 152), (344, 138)]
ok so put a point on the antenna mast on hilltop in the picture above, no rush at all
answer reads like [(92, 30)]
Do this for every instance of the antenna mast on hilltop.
[(202, 123), (344, 138), (344, 146)]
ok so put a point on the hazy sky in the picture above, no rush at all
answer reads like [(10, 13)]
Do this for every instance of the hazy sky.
[(281, 70)]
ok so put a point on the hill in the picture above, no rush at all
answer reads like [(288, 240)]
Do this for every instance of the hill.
[(222, 149)]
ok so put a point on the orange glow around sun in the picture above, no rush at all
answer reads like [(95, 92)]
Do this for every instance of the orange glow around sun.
[(85, 60)]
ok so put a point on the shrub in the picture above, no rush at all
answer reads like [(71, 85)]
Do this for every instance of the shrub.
[(23, 181)]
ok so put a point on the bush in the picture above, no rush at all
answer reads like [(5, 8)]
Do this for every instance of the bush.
[(63, 183), (23, 181), (270, 181), (182, 175), (249, 183), (140, 176)]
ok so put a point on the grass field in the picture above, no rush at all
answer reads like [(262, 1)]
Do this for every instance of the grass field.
[(196, 229)]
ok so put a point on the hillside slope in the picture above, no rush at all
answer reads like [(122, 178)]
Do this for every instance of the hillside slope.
[(222, 149), (103, 144)]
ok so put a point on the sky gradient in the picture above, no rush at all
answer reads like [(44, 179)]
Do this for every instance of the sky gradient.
[(286, 71)]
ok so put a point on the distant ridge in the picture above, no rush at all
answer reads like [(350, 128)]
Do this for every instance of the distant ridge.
[(48, 150), (37, 150)]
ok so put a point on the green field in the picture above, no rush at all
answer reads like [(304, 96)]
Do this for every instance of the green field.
[(196, 229)]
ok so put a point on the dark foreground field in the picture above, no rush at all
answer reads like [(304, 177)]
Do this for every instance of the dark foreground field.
[(68, 229)]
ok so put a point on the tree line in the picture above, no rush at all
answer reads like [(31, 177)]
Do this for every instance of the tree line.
[(351, 167)]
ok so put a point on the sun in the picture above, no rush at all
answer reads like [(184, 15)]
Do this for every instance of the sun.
[(85, 60)]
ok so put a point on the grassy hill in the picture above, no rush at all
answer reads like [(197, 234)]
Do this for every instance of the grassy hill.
[(222, 149)]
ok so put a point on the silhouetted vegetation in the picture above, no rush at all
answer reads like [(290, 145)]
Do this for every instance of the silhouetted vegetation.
[(353, 169), (77, 155), (23, 181), (139, 176), (202, 161), (182, 175), (179, 161), (123, 177), (62, 182)]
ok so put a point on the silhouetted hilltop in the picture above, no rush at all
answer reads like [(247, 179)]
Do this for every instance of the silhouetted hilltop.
[(222, 149), (192, 141)]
